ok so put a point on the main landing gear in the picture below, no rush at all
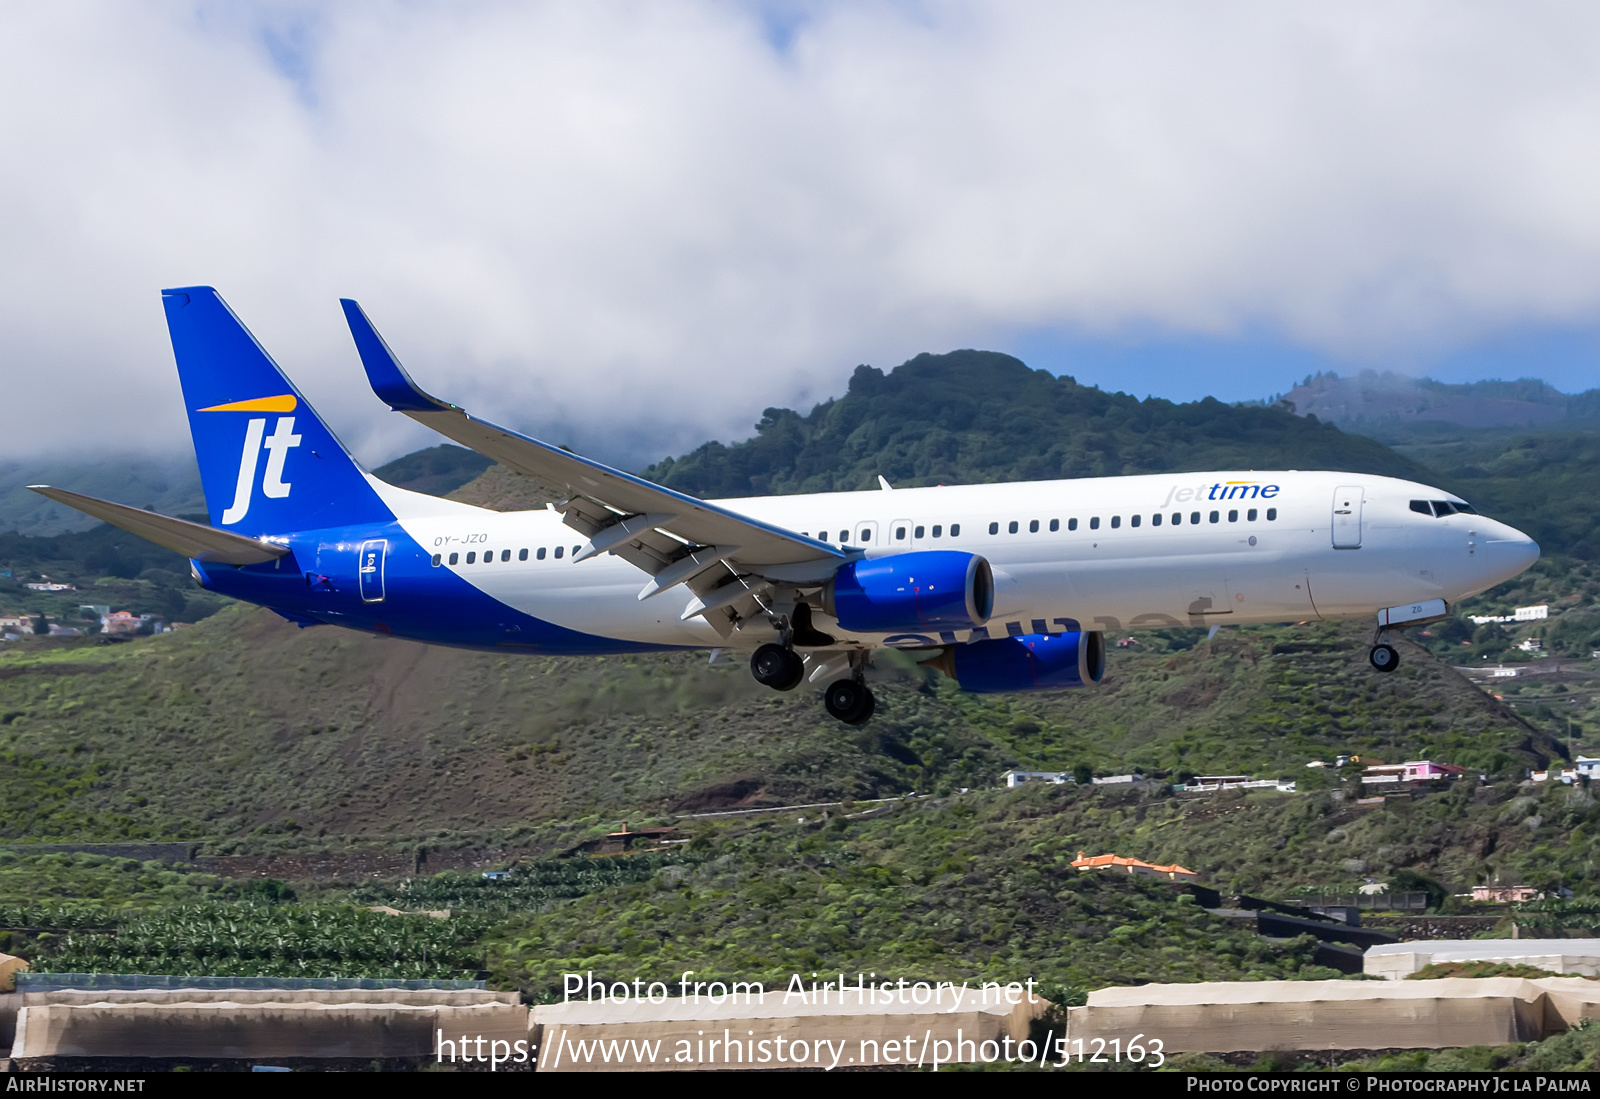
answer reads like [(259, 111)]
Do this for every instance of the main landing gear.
[(850, 700), (778, 666)]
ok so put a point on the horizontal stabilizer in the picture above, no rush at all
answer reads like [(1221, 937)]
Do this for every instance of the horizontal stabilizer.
[(193, 540)]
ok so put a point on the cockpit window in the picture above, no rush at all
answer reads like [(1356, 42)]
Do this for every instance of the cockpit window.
[(1440, 508)]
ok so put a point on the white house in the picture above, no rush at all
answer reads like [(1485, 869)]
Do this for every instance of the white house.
[(1018, 778)]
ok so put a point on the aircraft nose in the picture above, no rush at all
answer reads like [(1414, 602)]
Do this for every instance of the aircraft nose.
[(1511, 551)]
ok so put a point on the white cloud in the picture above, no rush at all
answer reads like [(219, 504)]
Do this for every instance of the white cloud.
[(633, 225)]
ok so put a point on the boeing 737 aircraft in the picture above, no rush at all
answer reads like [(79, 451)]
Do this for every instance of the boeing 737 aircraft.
[(1004, 587)]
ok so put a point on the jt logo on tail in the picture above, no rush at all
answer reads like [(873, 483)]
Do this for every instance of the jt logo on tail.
[(272, 483), (277, 446)]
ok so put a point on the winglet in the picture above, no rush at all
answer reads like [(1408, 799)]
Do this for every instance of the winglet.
[(388, 378)]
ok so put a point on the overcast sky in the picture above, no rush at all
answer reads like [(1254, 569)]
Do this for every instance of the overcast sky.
[(631, 226)]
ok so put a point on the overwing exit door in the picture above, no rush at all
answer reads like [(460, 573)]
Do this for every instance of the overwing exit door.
[(1347, 517), (370, 569)]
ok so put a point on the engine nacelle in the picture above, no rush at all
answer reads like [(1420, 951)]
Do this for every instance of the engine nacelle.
[(1032, 662), (930, 589)]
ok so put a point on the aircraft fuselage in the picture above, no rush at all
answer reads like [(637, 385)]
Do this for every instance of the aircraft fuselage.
[(1117, 554)]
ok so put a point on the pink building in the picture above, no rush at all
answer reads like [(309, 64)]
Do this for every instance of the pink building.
[(1413, 770), (1505, 894)]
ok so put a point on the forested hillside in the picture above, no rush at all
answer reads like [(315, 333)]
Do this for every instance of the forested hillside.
[(978, 416), (1249, 701), (341, 761)]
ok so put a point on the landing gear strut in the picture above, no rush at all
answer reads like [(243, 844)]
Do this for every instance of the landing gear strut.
[(850, 701)]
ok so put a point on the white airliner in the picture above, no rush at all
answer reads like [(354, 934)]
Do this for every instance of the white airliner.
[(1006, 587)]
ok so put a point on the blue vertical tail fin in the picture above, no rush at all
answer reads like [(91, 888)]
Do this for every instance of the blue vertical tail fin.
[(267, 462)]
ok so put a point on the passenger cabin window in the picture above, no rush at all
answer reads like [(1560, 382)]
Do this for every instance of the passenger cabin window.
[(917, 533), (436, 559), (864, 536), (1272, 514), (522, 555), (472, 558), (505, 555), (1055, 525), (899, 534), (540, 554), (454, 557), (1155, 520), (1177, 518), (1251, 515), (1134, 521), (955, 530), (938, 530), (1013, 527), (1116, 521), (1233, 516), (994, 528), (558, 553), (575, 550), (1033, 526), (1072, 524), (1194, 517), (1094, 523), (844, 536)]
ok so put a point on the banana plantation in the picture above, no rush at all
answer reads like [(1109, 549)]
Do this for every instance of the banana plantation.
[(258, 940)]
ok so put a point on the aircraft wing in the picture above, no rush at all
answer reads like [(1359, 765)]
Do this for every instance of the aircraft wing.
[(193, 540), (673, 537)]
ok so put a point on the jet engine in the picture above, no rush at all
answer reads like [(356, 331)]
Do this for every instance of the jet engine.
[(1032, 662), (931, 589)]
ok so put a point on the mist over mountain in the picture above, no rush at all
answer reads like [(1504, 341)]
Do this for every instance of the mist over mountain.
[(1379, 403)]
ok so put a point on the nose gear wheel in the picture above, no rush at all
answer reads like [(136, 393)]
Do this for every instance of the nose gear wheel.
[(1384, 658)]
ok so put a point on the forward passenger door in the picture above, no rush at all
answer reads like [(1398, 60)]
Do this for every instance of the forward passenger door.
[(1347, 501)]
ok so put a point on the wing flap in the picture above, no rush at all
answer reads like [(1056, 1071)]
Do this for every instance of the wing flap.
[(193, 540)]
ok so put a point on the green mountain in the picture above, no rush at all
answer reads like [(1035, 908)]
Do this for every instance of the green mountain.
[(245, 728), (436, 470), (979, 416)]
